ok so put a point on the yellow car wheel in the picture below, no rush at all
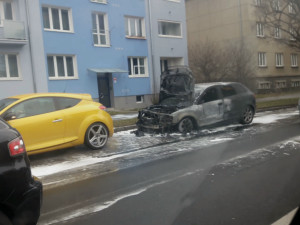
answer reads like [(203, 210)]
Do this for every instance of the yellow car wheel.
[(96, 136)]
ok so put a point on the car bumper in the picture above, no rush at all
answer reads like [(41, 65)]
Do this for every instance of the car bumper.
[(28, 211)]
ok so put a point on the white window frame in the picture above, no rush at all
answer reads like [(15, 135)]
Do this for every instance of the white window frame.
[(292, 8), (170, 36), (292, 34), (174, 1), (294, 60), (70, 19), (279, 60), (264, 85), (98, 32), (280, 84), (258, 2), (2, 13), (135, 32), (276, 5), (260, 29), (132, 69), (8, 76), (142, 99), (295, 83), (99, 1), (66, 77), (277, 33), (262, 59)]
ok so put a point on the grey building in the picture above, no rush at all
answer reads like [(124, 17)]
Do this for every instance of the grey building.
[(22, 65), (166, 25)]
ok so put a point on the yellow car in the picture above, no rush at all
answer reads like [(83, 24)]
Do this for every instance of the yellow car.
[(57, 120)]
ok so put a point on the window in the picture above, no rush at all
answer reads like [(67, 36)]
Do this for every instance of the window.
[(6, 12), (100, 30), (65, 103), (276, 5), (264, 85), (294, 60), (32, 107), (210, 95), (292, 34), (57, 19), (277, 32), (292, 8), (99, 1), (258, 2), (281, 84), (9, 68), (279, 59), (262, 61), (259, 30), (295, 83), (137, 66), (61, 67), (171, 29), (228, 91), (139, 98), (134, 27)]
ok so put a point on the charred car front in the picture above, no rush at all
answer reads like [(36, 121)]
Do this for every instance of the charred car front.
[(184, 106)]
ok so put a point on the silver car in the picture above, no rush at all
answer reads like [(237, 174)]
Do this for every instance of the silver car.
[(185, 106)]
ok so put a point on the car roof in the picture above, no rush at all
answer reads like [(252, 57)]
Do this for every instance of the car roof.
[(68, 95), (202, 86)]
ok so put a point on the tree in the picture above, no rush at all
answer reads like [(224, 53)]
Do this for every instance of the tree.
[(210, 62), (282, 18)]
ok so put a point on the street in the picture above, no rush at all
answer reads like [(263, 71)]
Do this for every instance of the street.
[(232, 174)]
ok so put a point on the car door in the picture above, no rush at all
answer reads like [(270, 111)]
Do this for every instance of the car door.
[(40, 125), (231, 102), (212, 106)]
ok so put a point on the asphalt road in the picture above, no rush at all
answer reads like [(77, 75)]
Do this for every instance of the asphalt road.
[(251, 179)]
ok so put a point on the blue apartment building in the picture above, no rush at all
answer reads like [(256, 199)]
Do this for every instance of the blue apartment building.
[(97, 47)]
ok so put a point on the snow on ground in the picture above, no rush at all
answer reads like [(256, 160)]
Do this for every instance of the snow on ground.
[(124, 149)]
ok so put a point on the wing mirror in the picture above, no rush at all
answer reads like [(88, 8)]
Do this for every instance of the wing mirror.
[(9, 116)]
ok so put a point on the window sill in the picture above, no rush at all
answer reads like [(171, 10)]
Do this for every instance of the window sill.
[(136, 37), (59, 31), (138, 76), (105, 3), (167, 36), (259, 36), (294, 67), (63, 78), (11, 79), (279, 67), (102, 46)]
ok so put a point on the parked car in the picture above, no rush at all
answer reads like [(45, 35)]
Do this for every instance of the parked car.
[(57, 120), (184, 106), (20, 193)]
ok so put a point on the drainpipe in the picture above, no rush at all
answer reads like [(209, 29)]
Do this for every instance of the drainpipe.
[(241, 23), (151, 47), (30, 47)]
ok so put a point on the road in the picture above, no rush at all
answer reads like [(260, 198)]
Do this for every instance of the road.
[(227, 175)]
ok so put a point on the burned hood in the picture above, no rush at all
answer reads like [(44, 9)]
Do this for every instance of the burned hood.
[(177, 83)]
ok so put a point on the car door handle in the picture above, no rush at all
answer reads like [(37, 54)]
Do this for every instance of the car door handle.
[(220, 103), (56, 121)]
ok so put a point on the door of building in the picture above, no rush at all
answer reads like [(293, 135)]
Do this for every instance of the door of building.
[(104, 90)]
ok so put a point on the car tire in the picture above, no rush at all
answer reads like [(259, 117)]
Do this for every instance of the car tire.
[(186, 125), (96, 136), (247, 115), (4, 220)]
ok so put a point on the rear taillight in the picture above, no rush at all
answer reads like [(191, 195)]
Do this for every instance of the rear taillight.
[(102, 107), (16, 147)]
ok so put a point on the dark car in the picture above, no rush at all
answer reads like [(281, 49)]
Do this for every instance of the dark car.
[(184, 106), (20, 192)]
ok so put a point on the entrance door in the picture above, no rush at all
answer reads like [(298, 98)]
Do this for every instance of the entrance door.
[(104, 90)]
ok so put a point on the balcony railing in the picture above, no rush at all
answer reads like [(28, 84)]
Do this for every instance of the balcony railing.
[(12, 32)]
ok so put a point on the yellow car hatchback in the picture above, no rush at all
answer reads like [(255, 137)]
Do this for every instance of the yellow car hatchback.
[(57, 120)]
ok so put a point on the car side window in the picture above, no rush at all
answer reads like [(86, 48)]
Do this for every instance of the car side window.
[(64, 103), (209, 95), (31, 107), (228, 91)]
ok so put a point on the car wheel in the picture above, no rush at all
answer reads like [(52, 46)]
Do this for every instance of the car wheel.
[(96, 136), (186, 125), (247, 115)]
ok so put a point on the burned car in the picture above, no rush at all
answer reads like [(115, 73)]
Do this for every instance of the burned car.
[(184, 106)]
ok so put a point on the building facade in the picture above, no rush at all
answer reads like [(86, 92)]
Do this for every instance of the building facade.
[(98, 47), (236, 21), (166, 24), (22, 69)]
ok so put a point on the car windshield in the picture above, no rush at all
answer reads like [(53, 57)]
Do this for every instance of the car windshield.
[(6, 102)]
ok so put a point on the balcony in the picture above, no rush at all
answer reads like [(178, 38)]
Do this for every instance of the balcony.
[(12, 33)]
